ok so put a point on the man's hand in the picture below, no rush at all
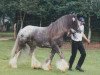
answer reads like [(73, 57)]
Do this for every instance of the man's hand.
[(88, 41)]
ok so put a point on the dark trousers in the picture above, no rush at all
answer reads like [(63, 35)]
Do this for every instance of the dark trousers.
[(77, 46)]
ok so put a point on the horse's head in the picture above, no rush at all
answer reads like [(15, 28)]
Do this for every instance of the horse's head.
[(71, 21), (74, 22)]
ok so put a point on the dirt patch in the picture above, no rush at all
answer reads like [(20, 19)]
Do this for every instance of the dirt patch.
[(91, 46), (6, 38)]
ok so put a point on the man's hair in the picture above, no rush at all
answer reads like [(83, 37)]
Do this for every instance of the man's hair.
[(81, 19)]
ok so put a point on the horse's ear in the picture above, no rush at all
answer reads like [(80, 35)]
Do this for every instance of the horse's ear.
[(73, 19)]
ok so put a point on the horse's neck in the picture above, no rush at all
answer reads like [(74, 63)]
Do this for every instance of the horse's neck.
[(55, 31)]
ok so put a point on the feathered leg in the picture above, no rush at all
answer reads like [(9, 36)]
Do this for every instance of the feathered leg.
[(61, 64), (47, 64), (34, 62), (15, 54)]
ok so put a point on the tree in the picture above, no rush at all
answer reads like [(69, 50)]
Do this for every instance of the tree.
[(4, 6), (89, 8), (24, 7)]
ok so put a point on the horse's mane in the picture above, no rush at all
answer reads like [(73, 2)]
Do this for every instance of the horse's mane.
[(58, 27)]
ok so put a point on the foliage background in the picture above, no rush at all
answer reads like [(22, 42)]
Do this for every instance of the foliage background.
[(43, 12)]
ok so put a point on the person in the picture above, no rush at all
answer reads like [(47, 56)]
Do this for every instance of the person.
[(77, 44)]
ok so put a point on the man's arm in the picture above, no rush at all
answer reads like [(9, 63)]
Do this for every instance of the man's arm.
[(71, 31), (87, 40)]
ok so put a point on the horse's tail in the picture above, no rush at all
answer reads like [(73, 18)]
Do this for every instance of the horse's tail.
[(15, 47)]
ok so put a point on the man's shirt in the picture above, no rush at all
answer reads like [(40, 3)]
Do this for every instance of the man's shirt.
[(77, 35)]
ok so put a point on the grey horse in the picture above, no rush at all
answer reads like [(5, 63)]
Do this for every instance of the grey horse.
[(50, 36)]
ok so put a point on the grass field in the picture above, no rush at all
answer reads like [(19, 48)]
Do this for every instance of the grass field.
[(91, 65), (6, 34)]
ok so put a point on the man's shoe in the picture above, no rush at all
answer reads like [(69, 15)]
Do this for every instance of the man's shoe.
[(79, 69)]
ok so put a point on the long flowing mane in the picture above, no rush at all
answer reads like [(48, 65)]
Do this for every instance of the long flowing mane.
[(61, 24)]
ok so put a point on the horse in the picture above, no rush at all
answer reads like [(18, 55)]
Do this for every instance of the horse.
[(50, 36)]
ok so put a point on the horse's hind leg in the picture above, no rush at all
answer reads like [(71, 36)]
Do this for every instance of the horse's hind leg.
[(34, 62), (14, 57)]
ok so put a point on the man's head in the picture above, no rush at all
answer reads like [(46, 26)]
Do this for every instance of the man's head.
[(81, 19)]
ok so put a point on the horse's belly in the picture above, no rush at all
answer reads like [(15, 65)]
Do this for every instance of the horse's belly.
[(44, 44), (41, 41)]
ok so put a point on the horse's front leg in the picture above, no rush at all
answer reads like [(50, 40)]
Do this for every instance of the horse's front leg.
[(58, 51), (47, 64), (61, 64)]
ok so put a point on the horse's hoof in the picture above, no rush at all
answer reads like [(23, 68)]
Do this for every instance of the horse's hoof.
[(36, 66), (50, 67), (13, 66), (12, 63), (62, 65), (46, 67)]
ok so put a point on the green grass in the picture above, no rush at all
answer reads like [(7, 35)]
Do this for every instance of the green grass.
[(91, 64), (6, 34)]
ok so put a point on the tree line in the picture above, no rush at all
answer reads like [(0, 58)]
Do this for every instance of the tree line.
[(43, 12)]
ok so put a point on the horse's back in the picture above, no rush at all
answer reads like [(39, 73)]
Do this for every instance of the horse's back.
[(29, 31), (26, 32)]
